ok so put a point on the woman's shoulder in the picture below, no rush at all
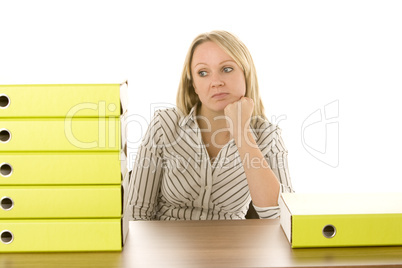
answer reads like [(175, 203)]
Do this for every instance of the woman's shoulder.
[(168, 118), (262, 124), (264, 130), (172, 114), (267, 135)]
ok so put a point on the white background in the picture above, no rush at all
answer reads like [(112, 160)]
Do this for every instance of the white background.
[(345, 55)]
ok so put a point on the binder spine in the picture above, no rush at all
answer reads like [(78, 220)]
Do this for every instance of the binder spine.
[(60, 235), (346, 230), (58, 168)]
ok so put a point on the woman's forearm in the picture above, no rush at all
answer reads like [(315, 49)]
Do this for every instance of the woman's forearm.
[(263, 185)]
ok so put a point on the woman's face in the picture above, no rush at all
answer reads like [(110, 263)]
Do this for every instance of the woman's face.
[(217, 79)]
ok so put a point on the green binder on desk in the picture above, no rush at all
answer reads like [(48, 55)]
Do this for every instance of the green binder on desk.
[(58, 168), (68, 100), (68, 234), (60, 134), (63, 168), (342, 220), (55, 235), (98, 201)]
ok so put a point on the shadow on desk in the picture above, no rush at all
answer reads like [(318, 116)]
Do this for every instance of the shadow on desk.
[(351, 256), (61, 260)]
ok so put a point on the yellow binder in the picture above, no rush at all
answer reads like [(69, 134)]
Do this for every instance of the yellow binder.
[(61, 235), (18, 202), (77, 134), (78, 100), (40, 168), (342, 220), (63, 167)]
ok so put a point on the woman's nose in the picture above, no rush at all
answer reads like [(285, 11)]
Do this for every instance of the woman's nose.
[(217, 80)]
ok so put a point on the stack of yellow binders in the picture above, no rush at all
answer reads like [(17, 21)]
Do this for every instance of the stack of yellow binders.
[(63, 169)]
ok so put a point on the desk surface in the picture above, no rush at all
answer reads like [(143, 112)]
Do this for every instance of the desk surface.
[(240, 243)]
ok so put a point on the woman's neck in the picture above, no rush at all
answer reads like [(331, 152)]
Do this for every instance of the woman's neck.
[(212, 120)]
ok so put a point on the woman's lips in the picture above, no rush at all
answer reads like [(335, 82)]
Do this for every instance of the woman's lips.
[(220, 96)]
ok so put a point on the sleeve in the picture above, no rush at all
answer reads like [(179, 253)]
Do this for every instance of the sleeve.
[(147, 172), (273, 148)]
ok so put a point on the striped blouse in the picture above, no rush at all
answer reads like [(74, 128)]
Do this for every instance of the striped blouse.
[(173, 177)]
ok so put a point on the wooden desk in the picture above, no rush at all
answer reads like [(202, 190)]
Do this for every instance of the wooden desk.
[(247, 243)]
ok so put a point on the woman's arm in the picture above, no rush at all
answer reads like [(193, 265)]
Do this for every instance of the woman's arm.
[(263, 184)]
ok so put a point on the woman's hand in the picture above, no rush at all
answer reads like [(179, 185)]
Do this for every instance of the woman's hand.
[(238, 116)]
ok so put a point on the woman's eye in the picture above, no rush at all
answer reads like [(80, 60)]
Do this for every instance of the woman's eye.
[(202, 73), (227, 69)]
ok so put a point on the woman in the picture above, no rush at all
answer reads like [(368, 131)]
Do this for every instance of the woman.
[(207, 158)]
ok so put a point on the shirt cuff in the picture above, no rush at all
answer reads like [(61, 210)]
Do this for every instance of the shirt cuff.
[(268, 212)]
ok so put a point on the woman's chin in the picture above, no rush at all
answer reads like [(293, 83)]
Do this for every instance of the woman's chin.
[(219, 107), (222, 104)]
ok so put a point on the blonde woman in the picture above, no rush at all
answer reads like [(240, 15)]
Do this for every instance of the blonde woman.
[(216, 151)]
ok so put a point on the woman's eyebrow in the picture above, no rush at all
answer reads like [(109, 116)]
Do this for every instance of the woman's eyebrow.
[(219, 63), (199, 64), (226, 61)]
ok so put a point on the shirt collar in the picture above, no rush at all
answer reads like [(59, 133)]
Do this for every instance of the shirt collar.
[(190, 117)]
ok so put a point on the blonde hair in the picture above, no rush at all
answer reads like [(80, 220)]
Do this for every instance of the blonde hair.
[(186, 97)]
